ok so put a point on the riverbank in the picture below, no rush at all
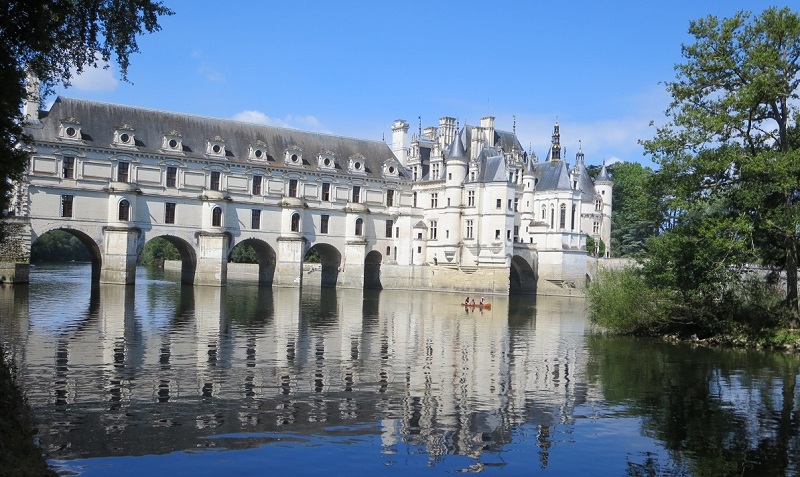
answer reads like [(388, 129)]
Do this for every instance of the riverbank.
[(19, 454)]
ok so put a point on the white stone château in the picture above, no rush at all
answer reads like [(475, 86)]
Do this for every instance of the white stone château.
[(450, 208)]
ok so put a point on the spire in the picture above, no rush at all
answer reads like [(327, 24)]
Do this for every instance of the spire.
[(579, 155), (456, 149), (555, 148), (603, 175)]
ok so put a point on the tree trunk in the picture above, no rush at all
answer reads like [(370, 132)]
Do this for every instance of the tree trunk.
[(791, 281)]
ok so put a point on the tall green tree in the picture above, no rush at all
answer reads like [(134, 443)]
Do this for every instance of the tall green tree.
[(730, 163), (54, 39), (636, 214)]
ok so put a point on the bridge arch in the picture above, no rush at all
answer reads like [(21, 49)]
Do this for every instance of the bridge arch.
[(330, 260), (267, 258), (372, 270), (522, 279), (187, 253), (90, 243)]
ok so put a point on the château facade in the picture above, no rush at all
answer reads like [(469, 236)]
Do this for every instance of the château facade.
[(450, 208)]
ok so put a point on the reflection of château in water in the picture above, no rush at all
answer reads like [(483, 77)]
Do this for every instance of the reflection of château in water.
[(157, 372)]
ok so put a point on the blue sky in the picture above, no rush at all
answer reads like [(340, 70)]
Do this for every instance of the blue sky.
[(351, 68)]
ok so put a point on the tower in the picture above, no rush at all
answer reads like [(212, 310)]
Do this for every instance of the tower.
[(399, 140), (604, 188)]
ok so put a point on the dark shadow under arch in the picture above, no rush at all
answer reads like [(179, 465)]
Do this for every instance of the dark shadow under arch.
[(372, 270), (522, 279), (330, 259)]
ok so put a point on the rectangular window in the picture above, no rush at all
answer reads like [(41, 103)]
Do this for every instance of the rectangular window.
[(323, 227), (326, 191), (389, 227), (499, 203), (66, 205), (469, 228), (390, 198), (596, 227), (509, 204), (215, 180), (172, 176), (471, 198), (68, 168), (122, 171), (356, 194), (255, 219), (414, 200), (434, 200), (516, 205), (432, 229), (292, 187), (516, 233), (435, 172), (169, 213), (256, 185)]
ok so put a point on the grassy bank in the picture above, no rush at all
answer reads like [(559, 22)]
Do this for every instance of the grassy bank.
[(748, 312), (19, 455)]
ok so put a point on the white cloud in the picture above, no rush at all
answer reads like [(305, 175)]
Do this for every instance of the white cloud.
[(99, 78), (205, 69), (306, 123)]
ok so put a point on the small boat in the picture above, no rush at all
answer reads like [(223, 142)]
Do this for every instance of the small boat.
[(485, 306)]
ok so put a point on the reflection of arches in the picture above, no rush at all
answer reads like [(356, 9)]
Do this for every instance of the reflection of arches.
[(330, 259), (216, 217), (92, 247), (188, 257), (266, 259), (124, 210), (372, 270), (523, 278)]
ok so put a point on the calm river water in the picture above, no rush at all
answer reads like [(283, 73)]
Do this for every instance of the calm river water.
[(160, 378)]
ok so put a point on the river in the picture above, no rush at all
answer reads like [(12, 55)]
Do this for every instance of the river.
[(164, 379)]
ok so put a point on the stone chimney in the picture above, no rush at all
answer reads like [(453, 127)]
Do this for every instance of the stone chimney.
[(30, 105), (487, 124), (399, 140)]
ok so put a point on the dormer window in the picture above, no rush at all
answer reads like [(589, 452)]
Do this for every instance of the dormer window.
[(70, 129), (326, 160), (216, 147), (124, 136), (258, 151), (294, 157), (390, 170), (357, 164), (173, 142)]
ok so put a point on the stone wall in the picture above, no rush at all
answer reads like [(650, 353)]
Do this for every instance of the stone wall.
[(15, 245)]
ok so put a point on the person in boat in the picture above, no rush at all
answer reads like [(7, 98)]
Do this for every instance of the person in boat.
[(473, 302), (466, 302), (483, 301)]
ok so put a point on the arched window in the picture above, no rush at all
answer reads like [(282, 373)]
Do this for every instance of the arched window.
[(124, 210), (295, 222), (544, 213), (552, 217), (216, 217), (359, 227), (572, 220), (562, 218)]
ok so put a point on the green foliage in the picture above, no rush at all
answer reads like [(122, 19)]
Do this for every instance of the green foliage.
[(591, 245), (729, 182), (622, 302), (156, 251), (243, 253), (54, 39), (59, 246), (636, 215), (312, 256)]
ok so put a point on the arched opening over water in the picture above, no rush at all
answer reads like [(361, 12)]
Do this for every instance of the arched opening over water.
[(329, 260), (67, 245), (159, 249), (522, 279), (256, 251), (372, 270)]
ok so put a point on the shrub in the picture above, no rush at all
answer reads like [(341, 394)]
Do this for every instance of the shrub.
[(621, 301)]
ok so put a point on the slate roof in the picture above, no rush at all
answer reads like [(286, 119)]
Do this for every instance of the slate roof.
[(98, 122)]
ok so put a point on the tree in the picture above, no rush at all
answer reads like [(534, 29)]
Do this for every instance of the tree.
[(729, 157), (156, 251), (635, 217), (52, 40)]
